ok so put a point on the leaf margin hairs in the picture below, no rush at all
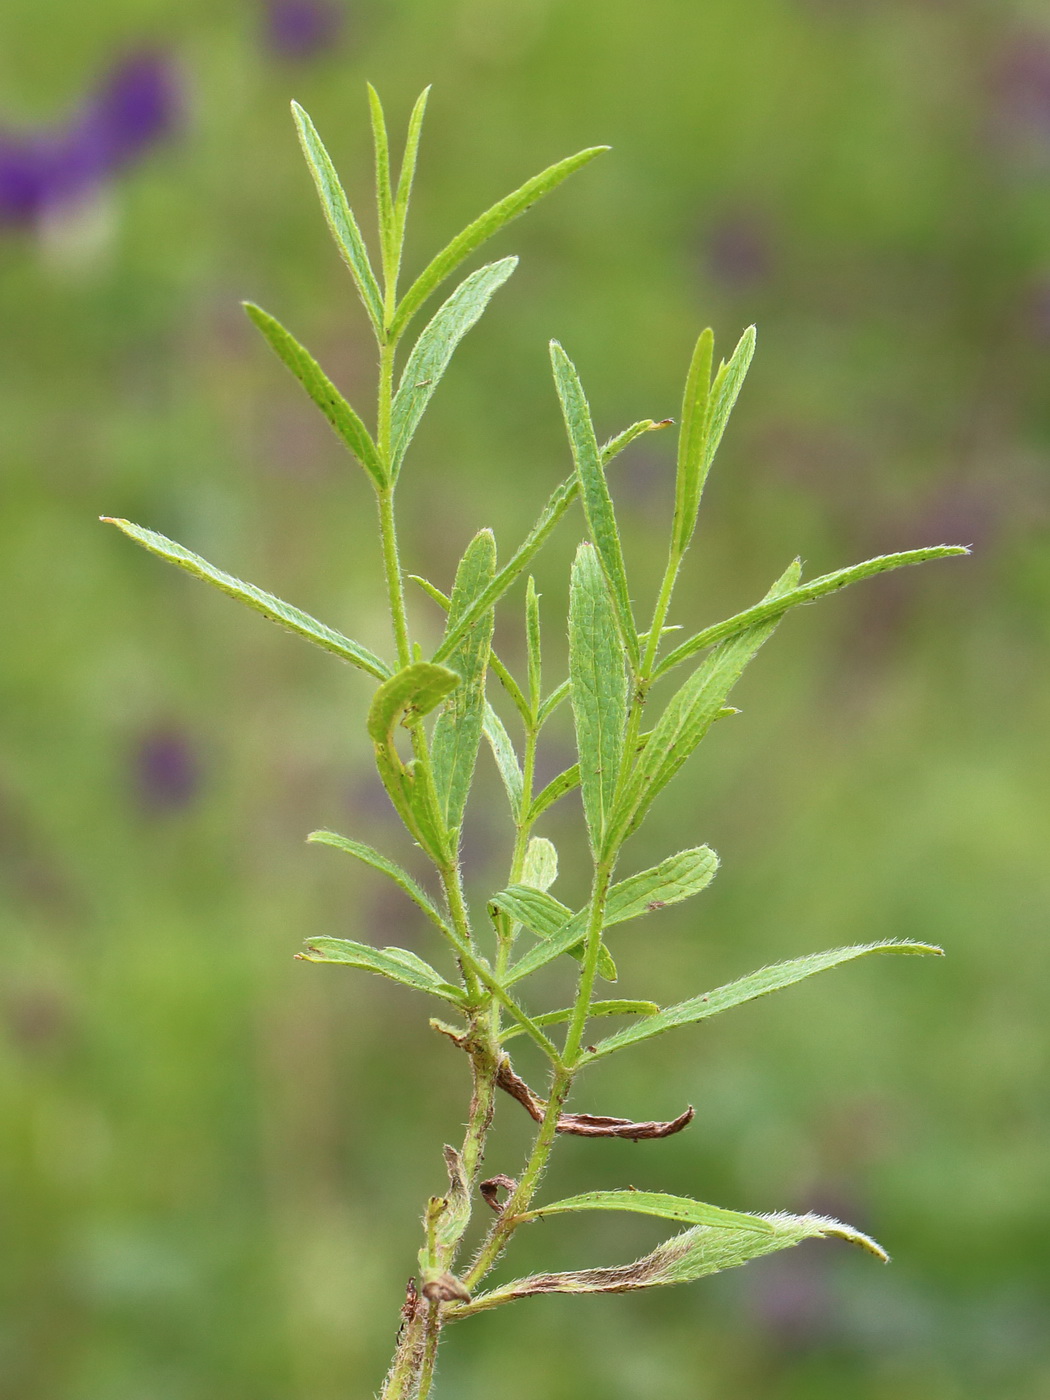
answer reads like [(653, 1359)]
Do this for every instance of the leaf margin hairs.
[(341, 417), (762, 982), (429, 358), (496, 217), (820, 587), (396, 964), (271, 607), (340, 218), (369, 856)]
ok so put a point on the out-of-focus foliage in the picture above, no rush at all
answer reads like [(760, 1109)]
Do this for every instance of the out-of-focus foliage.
[(208, 1148)]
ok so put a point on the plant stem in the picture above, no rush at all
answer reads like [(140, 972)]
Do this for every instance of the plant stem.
[(431, 1337), (521, 1198), (401, 1379)]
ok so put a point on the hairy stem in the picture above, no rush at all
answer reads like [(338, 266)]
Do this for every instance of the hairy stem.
[(521, 1198), (402, 1379), (431, 1337)]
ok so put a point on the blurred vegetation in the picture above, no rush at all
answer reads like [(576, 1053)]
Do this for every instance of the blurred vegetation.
[(213, 1156)]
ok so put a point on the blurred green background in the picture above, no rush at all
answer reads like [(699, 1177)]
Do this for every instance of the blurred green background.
[(213, 1156)]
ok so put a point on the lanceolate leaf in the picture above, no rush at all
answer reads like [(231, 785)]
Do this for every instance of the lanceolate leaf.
[(677, 877), (553, 700), (558, 503), (387, 867), (597, 503), (506, 759), (550, 920), (757, 984), (776, 604), (703, 1250), (616, 444), (540, 912), (673, 880), (596, 1008), (532, 639), (656, 1203), (557, 787), (457, 733), (434, 348), (724, 393), (405, 698), (408, 163), (397, 964), (599, 690), (689, 716), (323, 392), (270, 606), (689, 481), (340, 217), (388, 239), (483, 228)]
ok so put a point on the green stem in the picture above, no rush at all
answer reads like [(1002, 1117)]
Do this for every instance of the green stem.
[(521, 1198), (394, 580), (431, 1337), (402, 1378), (589, 971)]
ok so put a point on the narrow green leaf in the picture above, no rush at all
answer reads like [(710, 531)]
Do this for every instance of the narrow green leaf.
[(540, 867), (270, 606), (594, 492), (553, 700), (756, 984), (596, 1008), (775, 605), (538, 911), (724, 393), (388, 240), (507, 681), (325, 395), (434, 348), (673, 880), (656, 1203), (550, 920), (694, 1254), (369, 856), (457, 733), (561, 498), (506, 758), (483, 227), (431, 590), (599, 690), (532, 637), (340, 218), (397, 964), (405, 698), (557, 787), (616, 444), (689, 482), (688, 716), (408, 164)]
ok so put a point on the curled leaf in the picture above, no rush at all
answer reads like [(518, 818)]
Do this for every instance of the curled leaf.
[(703, 1250)]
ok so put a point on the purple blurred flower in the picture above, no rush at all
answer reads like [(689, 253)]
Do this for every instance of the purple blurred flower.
[(738, 253), (300, 29), (1021, 81), (167, 774), (135, 106)]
